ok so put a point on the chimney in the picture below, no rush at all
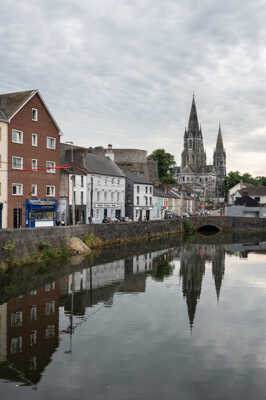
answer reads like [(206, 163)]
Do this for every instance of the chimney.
[(109, 152)]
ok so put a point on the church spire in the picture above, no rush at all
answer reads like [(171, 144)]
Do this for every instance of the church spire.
[(193, 123), (219, 143)]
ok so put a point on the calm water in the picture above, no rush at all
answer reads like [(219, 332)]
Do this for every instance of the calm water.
[(180, 323)]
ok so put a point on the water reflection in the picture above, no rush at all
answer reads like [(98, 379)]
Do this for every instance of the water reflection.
[(30, 326)]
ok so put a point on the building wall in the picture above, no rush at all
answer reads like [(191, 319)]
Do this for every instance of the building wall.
[(44, 127), (142, 192), (3, 332), (4, 171)]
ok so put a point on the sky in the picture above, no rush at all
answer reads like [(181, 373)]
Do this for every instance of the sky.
[(123, 71)]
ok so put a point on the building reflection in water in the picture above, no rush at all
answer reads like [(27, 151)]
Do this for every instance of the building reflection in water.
[(29, 324), (29, 334), (192, 269)]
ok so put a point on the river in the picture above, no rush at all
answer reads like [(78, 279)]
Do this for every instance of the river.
[(180, 322)]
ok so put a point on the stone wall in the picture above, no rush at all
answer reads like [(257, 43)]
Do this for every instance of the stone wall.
[(27, 240), (231, 224)]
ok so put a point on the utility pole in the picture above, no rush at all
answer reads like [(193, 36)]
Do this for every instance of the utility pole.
[(91, 211), (73, 201)]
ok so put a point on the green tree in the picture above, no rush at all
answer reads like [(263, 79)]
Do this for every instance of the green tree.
[(166, 163)]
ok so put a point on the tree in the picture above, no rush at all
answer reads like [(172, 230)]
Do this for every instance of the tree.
[(234, 177), (166, 162)]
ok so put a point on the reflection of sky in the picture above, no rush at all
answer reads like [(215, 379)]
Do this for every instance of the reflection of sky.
[(142, 347)]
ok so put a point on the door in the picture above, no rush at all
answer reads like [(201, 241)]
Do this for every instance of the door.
[(17, 217)]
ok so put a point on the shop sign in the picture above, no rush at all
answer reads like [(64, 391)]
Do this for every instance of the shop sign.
[(106, 205)]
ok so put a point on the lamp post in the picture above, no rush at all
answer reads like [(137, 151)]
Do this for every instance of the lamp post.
[(73, 184)]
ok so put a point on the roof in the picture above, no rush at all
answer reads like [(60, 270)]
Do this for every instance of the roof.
[(102, 166), (137, 178), (11, 103), (254, 191)]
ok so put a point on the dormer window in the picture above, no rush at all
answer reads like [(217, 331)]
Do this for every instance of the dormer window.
[(34, 114)]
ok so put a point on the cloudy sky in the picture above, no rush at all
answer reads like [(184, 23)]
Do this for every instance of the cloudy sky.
[(123, 71)]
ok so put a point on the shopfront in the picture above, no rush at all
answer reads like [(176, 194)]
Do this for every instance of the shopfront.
[(41, 212)]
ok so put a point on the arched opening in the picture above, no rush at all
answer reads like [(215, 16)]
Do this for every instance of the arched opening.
[(208, 230)]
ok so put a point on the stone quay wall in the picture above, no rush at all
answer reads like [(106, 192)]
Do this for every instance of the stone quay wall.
[(27, 239)]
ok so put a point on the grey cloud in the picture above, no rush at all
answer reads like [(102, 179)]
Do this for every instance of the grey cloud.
[(123, 72)]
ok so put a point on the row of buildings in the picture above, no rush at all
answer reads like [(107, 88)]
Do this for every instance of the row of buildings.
[(44, 182)]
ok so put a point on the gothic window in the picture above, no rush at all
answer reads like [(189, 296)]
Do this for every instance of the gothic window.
[(190, 144)]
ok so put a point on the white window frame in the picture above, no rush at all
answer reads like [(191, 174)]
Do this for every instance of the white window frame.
[(13, 162), (50, 165), (34, 161), (34, 139), (52, 140), (34, 192), (50, 195), (17, 136), (17, 185), (34, 114)]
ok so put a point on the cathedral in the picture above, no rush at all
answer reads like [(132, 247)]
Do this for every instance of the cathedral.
[(206, 180)]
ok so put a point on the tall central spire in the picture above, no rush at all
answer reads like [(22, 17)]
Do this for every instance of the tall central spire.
[(219, 143), (193, 123)]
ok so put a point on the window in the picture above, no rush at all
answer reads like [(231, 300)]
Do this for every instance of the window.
[(150, 201), (98, 196), (137, 200), (137, 189), (112, 180), (33, 313), (118, 195), (112, 196), (82, 181), (50, 191), (34, 113), (17, 136), (33, 337), (50, 307), (146, 189), (16, 319), (51, 143), (118, 181), (17, 189), (33, 292), (16, 345), (105, 196), (146, 200), (34, 139), (50, 331), (50, 165), (81, 198), (49, 286), (17, 162), (150, 189), (34, 189), (34, 164)]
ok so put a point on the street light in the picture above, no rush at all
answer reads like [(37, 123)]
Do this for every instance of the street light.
[(73, 181)]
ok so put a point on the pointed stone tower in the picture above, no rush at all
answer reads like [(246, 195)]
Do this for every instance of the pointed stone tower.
[(193, 155), (219, 162)]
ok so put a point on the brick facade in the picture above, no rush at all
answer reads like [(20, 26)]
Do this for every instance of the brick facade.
[(44, 127)]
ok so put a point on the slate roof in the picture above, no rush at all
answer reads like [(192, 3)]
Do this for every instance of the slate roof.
[(137, 178), (11, 102), (254, 191), (102, 166), (93, 164)]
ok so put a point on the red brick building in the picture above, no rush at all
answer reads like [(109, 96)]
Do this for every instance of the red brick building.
[(29, 155)]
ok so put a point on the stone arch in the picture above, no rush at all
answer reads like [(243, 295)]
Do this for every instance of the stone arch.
[(208, 229)]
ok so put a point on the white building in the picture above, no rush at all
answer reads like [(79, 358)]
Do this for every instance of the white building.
[(95, 187), (139, 197)]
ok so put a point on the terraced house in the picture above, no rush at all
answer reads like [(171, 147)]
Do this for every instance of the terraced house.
[(29, 157)]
